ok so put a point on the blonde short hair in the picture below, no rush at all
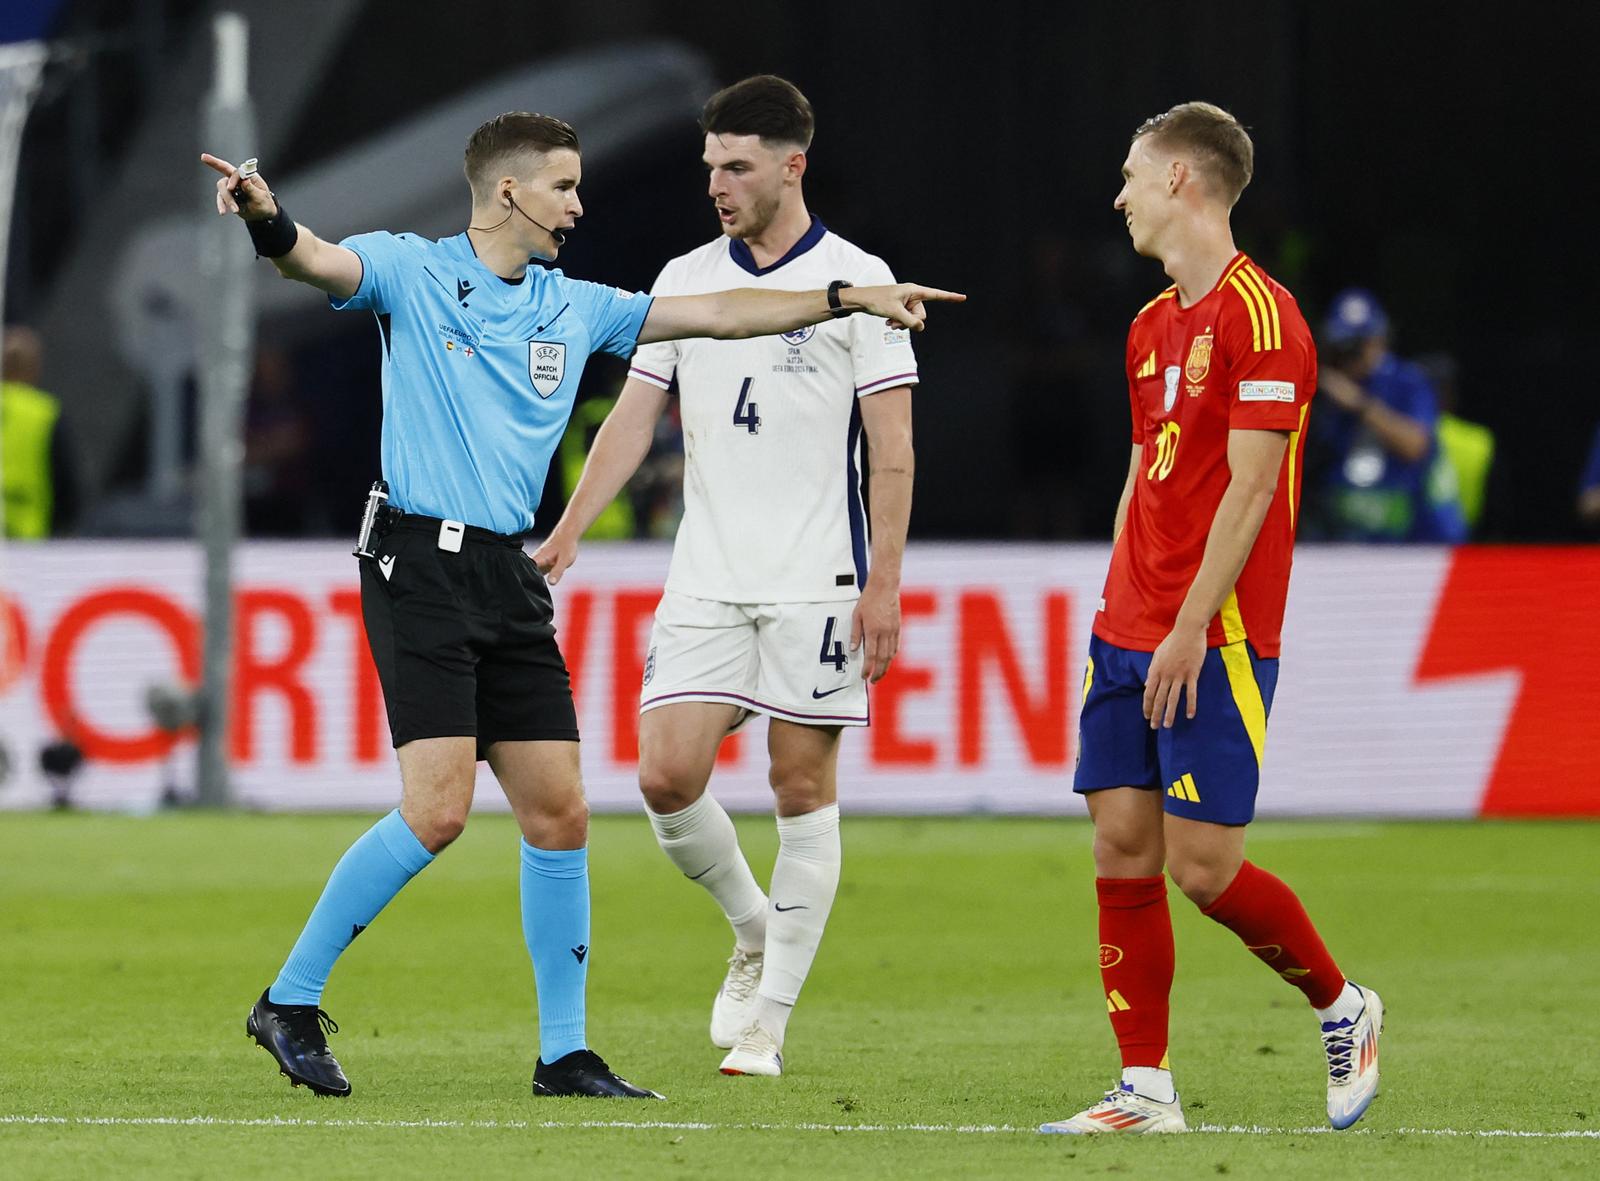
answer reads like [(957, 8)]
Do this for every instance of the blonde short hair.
[(1220, 144)]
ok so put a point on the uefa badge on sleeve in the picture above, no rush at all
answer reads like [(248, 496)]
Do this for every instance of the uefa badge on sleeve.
[(547, 365)]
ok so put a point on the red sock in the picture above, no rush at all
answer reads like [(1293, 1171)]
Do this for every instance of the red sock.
[(1265, 913), (1136, 965)]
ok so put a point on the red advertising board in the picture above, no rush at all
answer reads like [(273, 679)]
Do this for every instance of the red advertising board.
[(1415, 682)]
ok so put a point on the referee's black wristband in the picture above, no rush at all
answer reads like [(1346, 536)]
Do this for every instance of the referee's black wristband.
[(276, 236)]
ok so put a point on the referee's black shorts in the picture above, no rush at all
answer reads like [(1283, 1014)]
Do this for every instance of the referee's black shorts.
[(464, 642)]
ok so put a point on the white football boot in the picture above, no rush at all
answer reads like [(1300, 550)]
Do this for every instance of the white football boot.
[(1352, 1049), (757, 1052), (736, 999), (1123, 1110)]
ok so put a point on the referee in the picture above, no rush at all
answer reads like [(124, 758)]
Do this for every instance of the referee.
[(482, 355)]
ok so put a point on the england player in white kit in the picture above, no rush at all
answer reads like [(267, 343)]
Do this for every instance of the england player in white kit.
[(771, 605)]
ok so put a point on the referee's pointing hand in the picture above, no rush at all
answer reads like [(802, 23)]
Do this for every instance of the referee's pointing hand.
[(249, 196), (900, 303)]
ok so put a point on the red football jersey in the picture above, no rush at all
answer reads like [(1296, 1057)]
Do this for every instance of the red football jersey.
[(1240, 358)]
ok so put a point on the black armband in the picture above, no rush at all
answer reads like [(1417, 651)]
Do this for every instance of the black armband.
[(276, 236)]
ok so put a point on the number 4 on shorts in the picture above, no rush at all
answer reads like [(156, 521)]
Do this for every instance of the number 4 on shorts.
[(832, 649)]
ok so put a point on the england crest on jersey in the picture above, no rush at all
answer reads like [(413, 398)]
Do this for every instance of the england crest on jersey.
[(547, 365)]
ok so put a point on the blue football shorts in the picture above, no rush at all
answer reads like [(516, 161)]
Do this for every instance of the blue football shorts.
[(1208, 767)]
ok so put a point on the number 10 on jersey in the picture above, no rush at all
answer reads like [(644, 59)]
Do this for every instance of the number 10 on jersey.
[(744, 414)]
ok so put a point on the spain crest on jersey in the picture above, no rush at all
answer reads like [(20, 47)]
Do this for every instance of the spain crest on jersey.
[(1199, 362), (547, 365)]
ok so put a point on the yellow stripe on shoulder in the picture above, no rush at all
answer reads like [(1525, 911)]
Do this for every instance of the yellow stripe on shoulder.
[(1249, 306), (1253, 277), (1242, 260), (1167, 294)]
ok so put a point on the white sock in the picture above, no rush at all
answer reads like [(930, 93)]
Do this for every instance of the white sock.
[(1150, 1081), (701, 841), (772, 1016), (804, 881), (1347, 1007)]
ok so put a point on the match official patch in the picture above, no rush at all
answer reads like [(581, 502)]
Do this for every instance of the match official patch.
[(547, 365), (1266, 391)]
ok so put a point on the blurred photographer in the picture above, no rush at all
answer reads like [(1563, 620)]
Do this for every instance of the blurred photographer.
[(1377, 436)]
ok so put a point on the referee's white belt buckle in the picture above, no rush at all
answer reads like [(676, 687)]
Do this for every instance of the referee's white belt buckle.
[(450, 535)]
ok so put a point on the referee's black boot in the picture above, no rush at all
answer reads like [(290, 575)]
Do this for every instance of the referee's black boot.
[(583, 1072), (293, 1034)]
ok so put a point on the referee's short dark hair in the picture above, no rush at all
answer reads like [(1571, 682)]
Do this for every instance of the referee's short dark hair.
[(763, 105), (1219, 142), (508, 142)]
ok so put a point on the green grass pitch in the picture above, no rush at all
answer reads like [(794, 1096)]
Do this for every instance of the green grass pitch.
[(955, 1005)]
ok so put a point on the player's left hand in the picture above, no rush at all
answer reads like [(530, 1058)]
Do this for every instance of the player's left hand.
[(901, 304), (1175, 667), (875, 625)]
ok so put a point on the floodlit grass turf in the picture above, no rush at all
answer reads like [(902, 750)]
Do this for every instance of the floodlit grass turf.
[(957, 986)]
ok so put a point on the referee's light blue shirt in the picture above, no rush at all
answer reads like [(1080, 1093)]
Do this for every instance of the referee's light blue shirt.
[(479, 374)]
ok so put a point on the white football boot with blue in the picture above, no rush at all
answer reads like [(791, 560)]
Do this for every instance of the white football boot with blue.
[(1352, 1049), (1123, 1110)]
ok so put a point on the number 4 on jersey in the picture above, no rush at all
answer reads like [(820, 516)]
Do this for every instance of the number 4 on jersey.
[(832, 649), (744, 414)]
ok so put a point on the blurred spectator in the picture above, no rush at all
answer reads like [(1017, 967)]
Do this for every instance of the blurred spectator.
[(277, 451), (1467, 447), (1589, 488), (1377, 436), (652, 503), (35, 452)]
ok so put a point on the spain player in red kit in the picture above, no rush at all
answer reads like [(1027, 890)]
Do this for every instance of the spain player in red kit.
[(1184, 656)]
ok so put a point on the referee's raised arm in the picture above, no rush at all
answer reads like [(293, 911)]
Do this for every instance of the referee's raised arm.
[(749, 311), (292, 248)]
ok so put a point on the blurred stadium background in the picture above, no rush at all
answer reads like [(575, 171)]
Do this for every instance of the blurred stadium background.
[(1399, 151), (1428, 155)]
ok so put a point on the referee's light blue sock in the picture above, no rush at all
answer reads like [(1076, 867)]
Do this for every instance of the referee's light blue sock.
[(371, 872), (555, 922)]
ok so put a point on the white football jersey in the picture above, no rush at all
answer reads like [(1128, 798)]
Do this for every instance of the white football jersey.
[(772, 509)]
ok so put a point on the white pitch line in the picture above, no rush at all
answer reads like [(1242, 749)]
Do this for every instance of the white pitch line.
[(207, 1121)]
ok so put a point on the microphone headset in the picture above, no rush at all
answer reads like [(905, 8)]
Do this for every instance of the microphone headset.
[(559, 238)]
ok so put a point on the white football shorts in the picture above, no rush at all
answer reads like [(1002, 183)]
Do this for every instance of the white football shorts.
[(788, 660)]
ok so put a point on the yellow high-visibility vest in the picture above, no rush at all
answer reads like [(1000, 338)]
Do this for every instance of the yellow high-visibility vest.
[(27, 422), (1469, 448)]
